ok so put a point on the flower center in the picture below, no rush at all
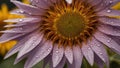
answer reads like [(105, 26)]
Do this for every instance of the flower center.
[(70, 24)]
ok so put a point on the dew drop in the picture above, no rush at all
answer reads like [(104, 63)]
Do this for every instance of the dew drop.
[(109, 40), (89, 48), (30, 13), (57, 51), (69, 1), (98, 45), (21, 11), (37, 56), (111, 2), (21, 28), (101, 53), (20, 20), (49, 49), (108, 11)]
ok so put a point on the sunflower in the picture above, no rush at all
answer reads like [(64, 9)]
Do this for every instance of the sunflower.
[(63, 32), (4, 14), (117, 6)]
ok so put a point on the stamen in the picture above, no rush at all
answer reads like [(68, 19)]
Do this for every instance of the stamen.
[(69, 24)]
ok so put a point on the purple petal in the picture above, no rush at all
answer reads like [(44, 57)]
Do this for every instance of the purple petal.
[(18, 12), (23, 29), (47, 60), (70, 65), (105, 4), (78, 56), (94, 2), (112, 2), (69, 54), (99, 50), (109, 12), (57, 55), (21, 58), (24, 20), (8, 36), (41, 3), (117, 39), (99, 62), (110, 21), (32, 10), (17, 47), (39, 53), (107, 41), (109, 30), (62, 63), (88, 53), (30, 44)]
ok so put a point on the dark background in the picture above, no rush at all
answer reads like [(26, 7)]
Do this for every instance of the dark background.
[(10, 5)]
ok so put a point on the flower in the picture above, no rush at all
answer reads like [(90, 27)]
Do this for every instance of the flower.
[(4, 14), (64, 31), (117, 6)]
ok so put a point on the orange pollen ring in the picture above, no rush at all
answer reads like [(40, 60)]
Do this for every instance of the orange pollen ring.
[(69, 24)]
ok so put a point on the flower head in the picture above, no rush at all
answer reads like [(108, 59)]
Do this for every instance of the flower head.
[(4, 14), (64, 31)]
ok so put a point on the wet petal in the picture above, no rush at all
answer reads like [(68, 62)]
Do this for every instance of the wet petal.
[(22, 29), (109, 30), (41, 3), (88, 53), (99, 50), (94, 2), (17, 47), (18, 12), (8, 36), (30, 44), (78, 56), (38, 54), (110, 21), (32, 10), (109, 12), (99, 62), (57, 55), (23, 20), (47, 60), (20, 59), (107, 41), (62, 63), (69, 54)]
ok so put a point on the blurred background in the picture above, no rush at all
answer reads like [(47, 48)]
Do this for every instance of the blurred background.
[(5, 7)]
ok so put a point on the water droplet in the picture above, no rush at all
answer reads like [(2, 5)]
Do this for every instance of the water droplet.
[(69, 1), (20, 20), (57, 51), (37, 56), (109, 40), (21, 28), (108, 11), (111, 2), (101, 53), (29, 13), (98, 45), (89, 48), (49, 49)]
